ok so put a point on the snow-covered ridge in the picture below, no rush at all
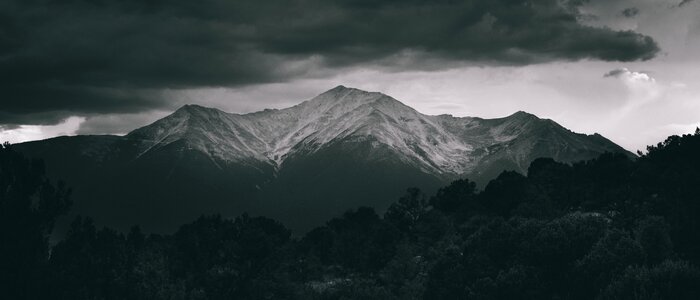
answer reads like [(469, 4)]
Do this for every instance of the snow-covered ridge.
[(435, 144)]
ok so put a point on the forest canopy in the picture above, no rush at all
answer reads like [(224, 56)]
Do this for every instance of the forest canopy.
[(607, 228)]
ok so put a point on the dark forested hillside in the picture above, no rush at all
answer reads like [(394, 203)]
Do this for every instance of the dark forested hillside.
[(300, 165), (607, 228)]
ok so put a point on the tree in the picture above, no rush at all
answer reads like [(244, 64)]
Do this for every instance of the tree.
[(610, 256), (459, 196), (504, 193), (669, 280), (652, 234), (405, 213), (29, 206)]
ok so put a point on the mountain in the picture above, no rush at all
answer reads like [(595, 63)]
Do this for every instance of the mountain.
[(302, 165)]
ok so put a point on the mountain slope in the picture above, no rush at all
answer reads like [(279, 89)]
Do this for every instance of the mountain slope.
[(302, 164)]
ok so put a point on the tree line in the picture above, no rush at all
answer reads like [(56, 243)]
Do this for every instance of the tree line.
[(607, 228)]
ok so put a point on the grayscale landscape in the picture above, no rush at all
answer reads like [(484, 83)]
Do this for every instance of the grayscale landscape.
[(349, 149)]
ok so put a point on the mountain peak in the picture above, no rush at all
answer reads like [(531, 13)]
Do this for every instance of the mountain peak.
[(349, 114), (523, 114), (342, 98), (196, 108), (179, 122), (195, 111), (341, 91)]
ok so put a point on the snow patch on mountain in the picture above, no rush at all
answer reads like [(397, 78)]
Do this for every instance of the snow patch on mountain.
[(435, 144)]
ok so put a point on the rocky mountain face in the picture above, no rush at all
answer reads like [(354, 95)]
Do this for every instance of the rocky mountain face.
[(301, 165)]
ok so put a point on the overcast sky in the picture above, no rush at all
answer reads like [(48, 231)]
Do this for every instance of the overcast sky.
[(627, 69)]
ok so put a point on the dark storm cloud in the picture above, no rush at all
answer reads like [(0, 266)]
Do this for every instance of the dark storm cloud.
[(684, 2), (8, 127), (615, 73), (61, 57), (630, 12)]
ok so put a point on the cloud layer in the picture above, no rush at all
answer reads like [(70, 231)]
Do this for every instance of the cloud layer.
[(630, 75), (65, 57)]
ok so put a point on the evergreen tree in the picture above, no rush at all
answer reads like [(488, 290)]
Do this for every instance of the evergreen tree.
[(29, 206)]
